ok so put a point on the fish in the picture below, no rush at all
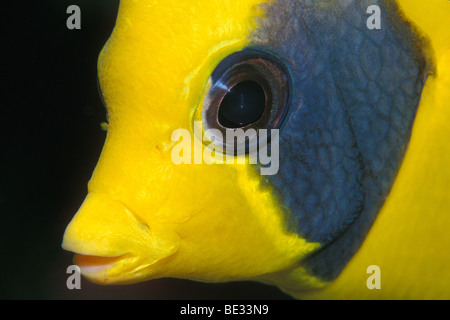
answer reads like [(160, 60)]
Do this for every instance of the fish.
[(345, 100)]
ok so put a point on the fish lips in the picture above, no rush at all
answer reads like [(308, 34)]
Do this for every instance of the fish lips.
[(111, 243)]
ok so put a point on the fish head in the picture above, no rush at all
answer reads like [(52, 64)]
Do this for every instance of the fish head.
[(146, 216), (342, 95)]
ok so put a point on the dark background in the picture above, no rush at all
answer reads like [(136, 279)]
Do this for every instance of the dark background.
[(50, 142)]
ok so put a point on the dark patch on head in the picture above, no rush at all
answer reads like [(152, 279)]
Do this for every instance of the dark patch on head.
[(356, 93)]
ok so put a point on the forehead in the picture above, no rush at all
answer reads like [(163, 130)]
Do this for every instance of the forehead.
[(161, 53)]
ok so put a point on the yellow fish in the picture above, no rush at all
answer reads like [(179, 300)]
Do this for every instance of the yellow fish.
[(353, 201)]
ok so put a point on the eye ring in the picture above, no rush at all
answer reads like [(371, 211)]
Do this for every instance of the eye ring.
[(255, 66)]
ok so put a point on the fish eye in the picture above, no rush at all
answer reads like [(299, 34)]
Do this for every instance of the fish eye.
[(250, 89), (242, 105)]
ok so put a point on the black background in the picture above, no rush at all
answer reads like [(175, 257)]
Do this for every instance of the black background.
[(51, 139)]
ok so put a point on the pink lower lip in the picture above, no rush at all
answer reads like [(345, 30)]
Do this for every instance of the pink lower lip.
[(91, 264)]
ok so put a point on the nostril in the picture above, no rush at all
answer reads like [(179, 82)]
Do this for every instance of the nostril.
[(144, 227)]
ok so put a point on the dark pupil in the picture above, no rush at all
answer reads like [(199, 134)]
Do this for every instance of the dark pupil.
[(243, 104)]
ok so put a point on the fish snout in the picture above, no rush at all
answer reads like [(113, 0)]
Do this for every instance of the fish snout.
[(113, 245)]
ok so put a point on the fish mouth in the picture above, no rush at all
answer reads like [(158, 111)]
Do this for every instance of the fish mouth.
[(103, 269), (91, 264), (112, 244)]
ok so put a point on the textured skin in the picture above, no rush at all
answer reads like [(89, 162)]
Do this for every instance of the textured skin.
[(409, 239), (356, 95)]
